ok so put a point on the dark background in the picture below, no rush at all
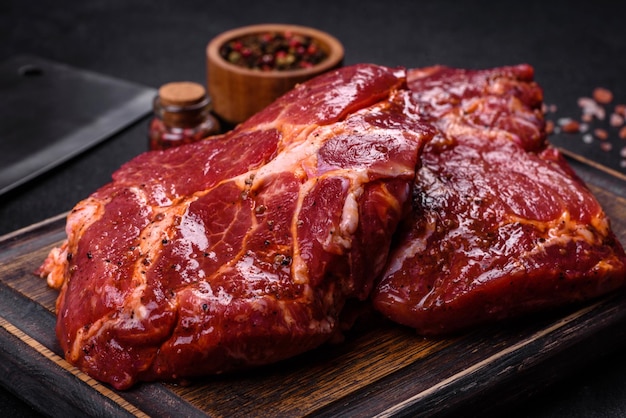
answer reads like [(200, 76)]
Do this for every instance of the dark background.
[(574, 47)]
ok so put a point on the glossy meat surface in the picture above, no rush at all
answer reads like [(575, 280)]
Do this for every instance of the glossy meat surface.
[(241, 250), (244, 249), (500, 226)]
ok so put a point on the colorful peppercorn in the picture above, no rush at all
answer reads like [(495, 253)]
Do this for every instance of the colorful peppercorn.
[(274, 51)]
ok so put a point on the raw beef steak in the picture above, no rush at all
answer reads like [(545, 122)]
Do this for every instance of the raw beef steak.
[(501, 226), (241, 250)]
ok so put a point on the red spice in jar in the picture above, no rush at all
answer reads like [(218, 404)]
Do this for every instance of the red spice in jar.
[(274, 51), (182, 116)]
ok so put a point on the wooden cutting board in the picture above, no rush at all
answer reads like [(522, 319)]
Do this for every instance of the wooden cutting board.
[(381, 369)]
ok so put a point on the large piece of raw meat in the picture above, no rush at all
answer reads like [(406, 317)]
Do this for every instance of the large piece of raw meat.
[(240, 250), (501, 226)]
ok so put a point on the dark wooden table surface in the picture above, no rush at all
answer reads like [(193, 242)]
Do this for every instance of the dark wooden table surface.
[(574, 47)]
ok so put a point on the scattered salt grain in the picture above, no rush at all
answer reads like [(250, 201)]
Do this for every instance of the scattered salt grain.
[(597, 123), (601, 134), (620, 109), (569, 125), (592, 108), (616, 120)]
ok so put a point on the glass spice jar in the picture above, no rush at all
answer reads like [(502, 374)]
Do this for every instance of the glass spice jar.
[(182, 115)]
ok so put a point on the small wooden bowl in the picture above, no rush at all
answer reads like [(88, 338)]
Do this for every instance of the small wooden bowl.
[(238, 92)]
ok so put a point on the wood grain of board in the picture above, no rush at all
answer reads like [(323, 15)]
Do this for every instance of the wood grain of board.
[(381, 369)]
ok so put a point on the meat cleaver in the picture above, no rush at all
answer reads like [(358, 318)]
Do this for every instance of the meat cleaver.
[(51, 112)]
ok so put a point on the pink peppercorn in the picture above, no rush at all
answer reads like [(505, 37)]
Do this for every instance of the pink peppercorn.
[(274, 51)]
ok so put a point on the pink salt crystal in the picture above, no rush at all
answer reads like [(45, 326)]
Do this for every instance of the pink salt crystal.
[(569, 125), (601, 133), (616, 120), (602, 95), (591, 107), (606, 146)]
